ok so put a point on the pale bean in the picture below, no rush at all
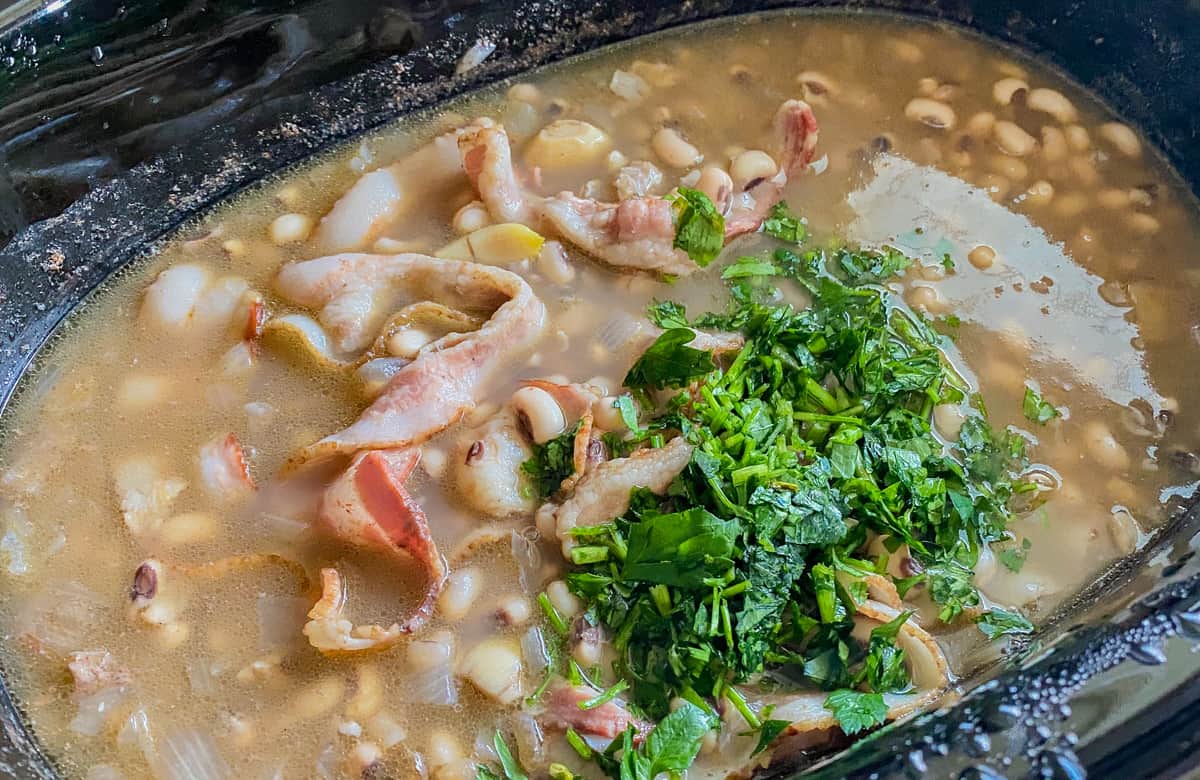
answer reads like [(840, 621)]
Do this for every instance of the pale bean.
[(444, 749), (407, 342), (1078, 138), (234, 247), (1005, 89), (433, 461), (317, 699), (908, 51), (189, 528), (1122, 138), (172, 635), (1085, 171), (752, 166), (1123, 530), (567, 143), (139, 391), (1141, 198), (948, 419), (1039, 193), (563, 599), (1010, 168), (1054, 144), (982, 257), (927, 86), (1142, 223), (1070, 204), (290, 228), (673, 150), (1012, 139), (1103, 447), (587, 654), (980, 125), (494, 667), (606, 416), (1113, 198), (461, 590), (925, 297), (386, 730), (471, 217), (368, 693), (945, 92), (539, 414), (552, 261), (930, 112), (1054, 103), (432, 651)]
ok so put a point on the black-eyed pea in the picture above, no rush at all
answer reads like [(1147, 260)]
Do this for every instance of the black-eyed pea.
[(290, 228), (1054, 103), (717, 185), (514, 610), (606, 416), (1039, 193), (1054, 144), (750, 167), (317, 699), (433, 461), (539, 414), (1122, 138), (188, 529), (461, 590), (444, 750), (817, 86), (432, 651), (945, 92), (1078, 138), (925, 297), (674, 150), (1103, 448), (1004, 90), (629, 86), (1012, 139), (563, 599), (368, 693), (929, 112), (234, 247), (494, 667)]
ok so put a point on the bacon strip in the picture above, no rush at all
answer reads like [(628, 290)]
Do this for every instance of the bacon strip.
[(224, 468), (442, 383), (368, 505), (607, 720), (487, 159)]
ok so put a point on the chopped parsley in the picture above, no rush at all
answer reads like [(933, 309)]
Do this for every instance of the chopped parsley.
[(856, 711), (1013, 558), (669, 362), (510, 769), (997, 622), (671, 747), (782, 224), (1036, 408), (551, 463), (699, 227)]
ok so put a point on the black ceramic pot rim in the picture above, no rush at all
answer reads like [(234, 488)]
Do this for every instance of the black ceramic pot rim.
[(1014, 719)]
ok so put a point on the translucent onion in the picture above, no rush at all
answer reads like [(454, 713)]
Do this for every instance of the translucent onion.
[(280, 619), (104, 772), (61, 617), (529, 559), (94, 710), (375, 374), (533, 649), (189, 754), (200, 677)]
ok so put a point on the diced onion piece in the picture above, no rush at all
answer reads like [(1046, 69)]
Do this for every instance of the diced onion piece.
[(495, 244), (629, 86), (280, 619), (190, 754), (94, 710), (567, 143)]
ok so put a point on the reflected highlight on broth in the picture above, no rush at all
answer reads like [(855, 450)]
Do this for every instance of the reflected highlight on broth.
[(692, 407)]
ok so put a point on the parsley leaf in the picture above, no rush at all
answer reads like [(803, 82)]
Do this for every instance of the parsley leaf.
[(699, 227), (997, 622), (749, 266), (856, 711), (1013, 558), (952, 585), (508, 765), (669, 362), (680, 549), (767, 734), (873, 267), (667, 314), (551, 463), (1036, 408), (782, 224)]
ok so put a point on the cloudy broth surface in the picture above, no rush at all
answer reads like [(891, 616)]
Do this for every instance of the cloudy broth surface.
[(1049, 244)]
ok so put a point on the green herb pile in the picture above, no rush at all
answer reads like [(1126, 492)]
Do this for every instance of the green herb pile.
[(811, 439)]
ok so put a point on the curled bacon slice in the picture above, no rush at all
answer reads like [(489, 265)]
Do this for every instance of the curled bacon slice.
[(224, 468), (369, 506), (432, 392), (487, 159)]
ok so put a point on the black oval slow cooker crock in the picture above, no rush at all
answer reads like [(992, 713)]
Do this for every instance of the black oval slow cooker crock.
[(119, 121)]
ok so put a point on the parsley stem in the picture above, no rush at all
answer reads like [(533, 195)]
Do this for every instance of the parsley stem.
[(734, 696), (581, 747), (827, 418), (662, 599), (820, 395), (534, 697), (604, 698), (552, 616), (581, 556)]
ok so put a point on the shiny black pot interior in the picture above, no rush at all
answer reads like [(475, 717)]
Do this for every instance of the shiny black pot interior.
[(103, 183)]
